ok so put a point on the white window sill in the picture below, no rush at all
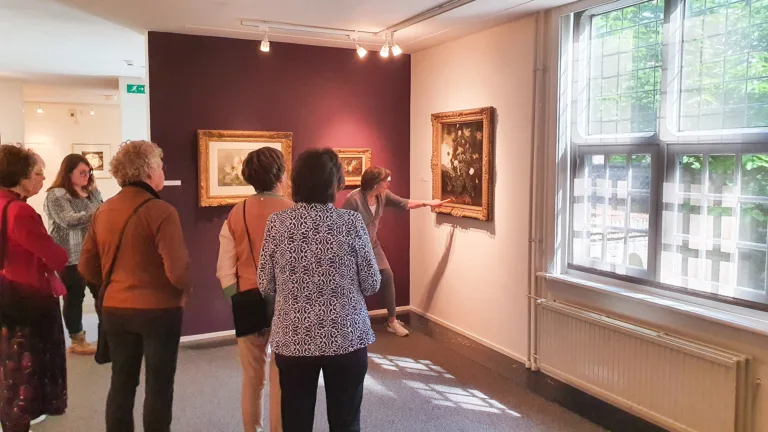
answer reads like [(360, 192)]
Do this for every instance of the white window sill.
[(732, 319)]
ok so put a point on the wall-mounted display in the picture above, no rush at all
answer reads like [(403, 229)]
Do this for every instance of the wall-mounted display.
[(98, 155), (462, 162), (220, 160), (354, 162)]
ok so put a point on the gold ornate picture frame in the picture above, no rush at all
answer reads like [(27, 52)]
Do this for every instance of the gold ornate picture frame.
[(354, 162), (462, 162), (220, 157)]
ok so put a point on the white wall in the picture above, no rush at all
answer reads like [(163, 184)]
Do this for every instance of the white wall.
[(52, 134), (11, 111), (134, 110), (476, 282)]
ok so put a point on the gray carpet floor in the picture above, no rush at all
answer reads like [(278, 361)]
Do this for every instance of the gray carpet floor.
[(413, 384)]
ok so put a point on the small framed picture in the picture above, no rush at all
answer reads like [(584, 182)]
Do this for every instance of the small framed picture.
[(354, 162), (99, 156)]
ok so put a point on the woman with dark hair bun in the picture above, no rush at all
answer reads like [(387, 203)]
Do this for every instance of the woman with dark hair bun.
[(240, 244), (71, 201), (319, 261)]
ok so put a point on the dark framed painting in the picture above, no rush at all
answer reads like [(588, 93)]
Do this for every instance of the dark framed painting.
[(221, 154), (462, 162)]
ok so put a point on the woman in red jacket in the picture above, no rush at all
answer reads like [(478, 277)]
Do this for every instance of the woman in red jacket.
[(34, 382)]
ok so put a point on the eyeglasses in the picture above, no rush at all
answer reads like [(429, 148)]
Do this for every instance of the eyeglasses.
[(86, 173)]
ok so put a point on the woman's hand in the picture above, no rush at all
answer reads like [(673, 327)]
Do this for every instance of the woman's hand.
[(437, 203)]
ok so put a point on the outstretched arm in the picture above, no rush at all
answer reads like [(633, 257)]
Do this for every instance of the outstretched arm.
[(414, 204)]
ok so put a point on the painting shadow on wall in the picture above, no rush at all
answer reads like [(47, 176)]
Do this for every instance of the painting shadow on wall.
[(439, 273)]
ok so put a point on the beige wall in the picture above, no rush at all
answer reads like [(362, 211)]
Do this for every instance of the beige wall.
[(52, 134), (476, 279), (11, 112)]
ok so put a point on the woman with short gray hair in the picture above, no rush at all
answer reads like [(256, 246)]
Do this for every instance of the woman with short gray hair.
[(135, 252)]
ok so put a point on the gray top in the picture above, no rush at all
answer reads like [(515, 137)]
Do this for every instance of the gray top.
[(358, 201), (68, 219)]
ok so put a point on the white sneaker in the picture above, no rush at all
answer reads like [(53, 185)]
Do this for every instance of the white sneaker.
[(397, 328), (38, 420)]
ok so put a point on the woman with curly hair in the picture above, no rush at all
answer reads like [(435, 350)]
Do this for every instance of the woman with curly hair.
[(135, 252)]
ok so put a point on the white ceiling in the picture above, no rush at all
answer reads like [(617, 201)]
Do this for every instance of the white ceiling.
[(223, 17), (42, 40)]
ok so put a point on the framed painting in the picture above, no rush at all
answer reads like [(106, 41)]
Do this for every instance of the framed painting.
[(354, 162), (98, 155), (220, 160), (462, 162)]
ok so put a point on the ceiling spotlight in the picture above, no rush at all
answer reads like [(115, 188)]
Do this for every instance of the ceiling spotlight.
[(40, 109), (93, 112), (360, 50), (265, 44), (396, 50), (385, 50)]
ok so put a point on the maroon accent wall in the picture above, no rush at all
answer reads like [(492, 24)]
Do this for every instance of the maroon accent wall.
[(328, 97)]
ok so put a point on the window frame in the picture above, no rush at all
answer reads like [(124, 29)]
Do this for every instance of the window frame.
[(663, 145)]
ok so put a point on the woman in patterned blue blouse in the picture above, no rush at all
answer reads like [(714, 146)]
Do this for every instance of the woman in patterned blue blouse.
[(71, 202), (319, 262)]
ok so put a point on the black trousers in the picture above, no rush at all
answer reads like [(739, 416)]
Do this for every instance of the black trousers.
[(133, 334), (343, 376), (73, 301)]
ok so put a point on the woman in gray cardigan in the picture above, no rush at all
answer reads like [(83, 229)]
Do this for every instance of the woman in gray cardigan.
[(71, 202), (369, 201)]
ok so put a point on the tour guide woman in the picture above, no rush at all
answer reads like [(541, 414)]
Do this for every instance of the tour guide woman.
[(370, 201)]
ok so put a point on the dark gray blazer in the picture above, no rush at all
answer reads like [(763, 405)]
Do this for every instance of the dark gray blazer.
[(358, 202)]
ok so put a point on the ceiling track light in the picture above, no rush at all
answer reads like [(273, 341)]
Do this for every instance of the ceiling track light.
[(264, 43), (362, 52), (93, 111), (385, 49), (40, 109), (396, 50)]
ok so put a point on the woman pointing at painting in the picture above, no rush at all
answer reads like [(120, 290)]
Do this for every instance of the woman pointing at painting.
[(370, 201)]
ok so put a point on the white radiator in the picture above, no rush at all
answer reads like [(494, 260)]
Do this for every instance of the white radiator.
[(675, 383)]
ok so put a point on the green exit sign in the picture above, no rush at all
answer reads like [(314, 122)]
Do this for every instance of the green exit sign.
[(137, 89)]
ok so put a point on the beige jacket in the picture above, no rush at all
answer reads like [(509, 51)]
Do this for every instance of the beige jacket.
[(235, 265)]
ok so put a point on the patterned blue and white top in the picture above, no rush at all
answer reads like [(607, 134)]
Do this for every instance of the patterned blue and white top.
[(319, 261)]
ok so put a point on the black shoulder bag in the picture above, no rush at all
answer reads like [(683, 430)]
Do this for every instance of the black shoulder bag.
[(251, 309), (102, 345)]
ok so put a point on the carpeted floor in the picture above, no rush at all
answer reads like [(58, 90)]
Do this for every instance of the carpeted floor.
[(413, 384)]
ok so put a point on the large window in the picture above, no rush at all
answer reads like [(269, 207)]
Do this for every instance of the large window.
[(669, 146)]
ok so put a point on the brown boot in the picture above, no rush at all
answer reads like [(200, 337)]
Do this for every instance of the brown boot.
[(80, 346)]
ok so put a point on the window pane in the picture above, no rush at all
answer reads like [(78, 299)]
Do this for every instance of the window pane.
[(625, 69), (610, 216), (725, 65), (641, 172), (715, 234), (754, 174)]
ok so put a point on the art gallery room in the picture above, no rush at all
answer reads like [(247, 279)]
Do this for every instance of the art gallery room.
[(582, 239)]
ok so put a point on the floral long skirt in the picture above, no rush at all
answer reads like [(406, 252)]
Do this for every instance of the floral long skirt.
[(33, 368)]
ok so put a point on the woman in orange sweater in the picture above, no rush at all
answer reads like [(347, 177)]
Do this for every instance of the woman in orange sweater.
[(240, 245)]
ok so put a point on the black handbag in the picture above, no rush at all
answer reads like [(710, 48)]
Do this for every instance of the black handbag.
[(102, 344), (252, 311)]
